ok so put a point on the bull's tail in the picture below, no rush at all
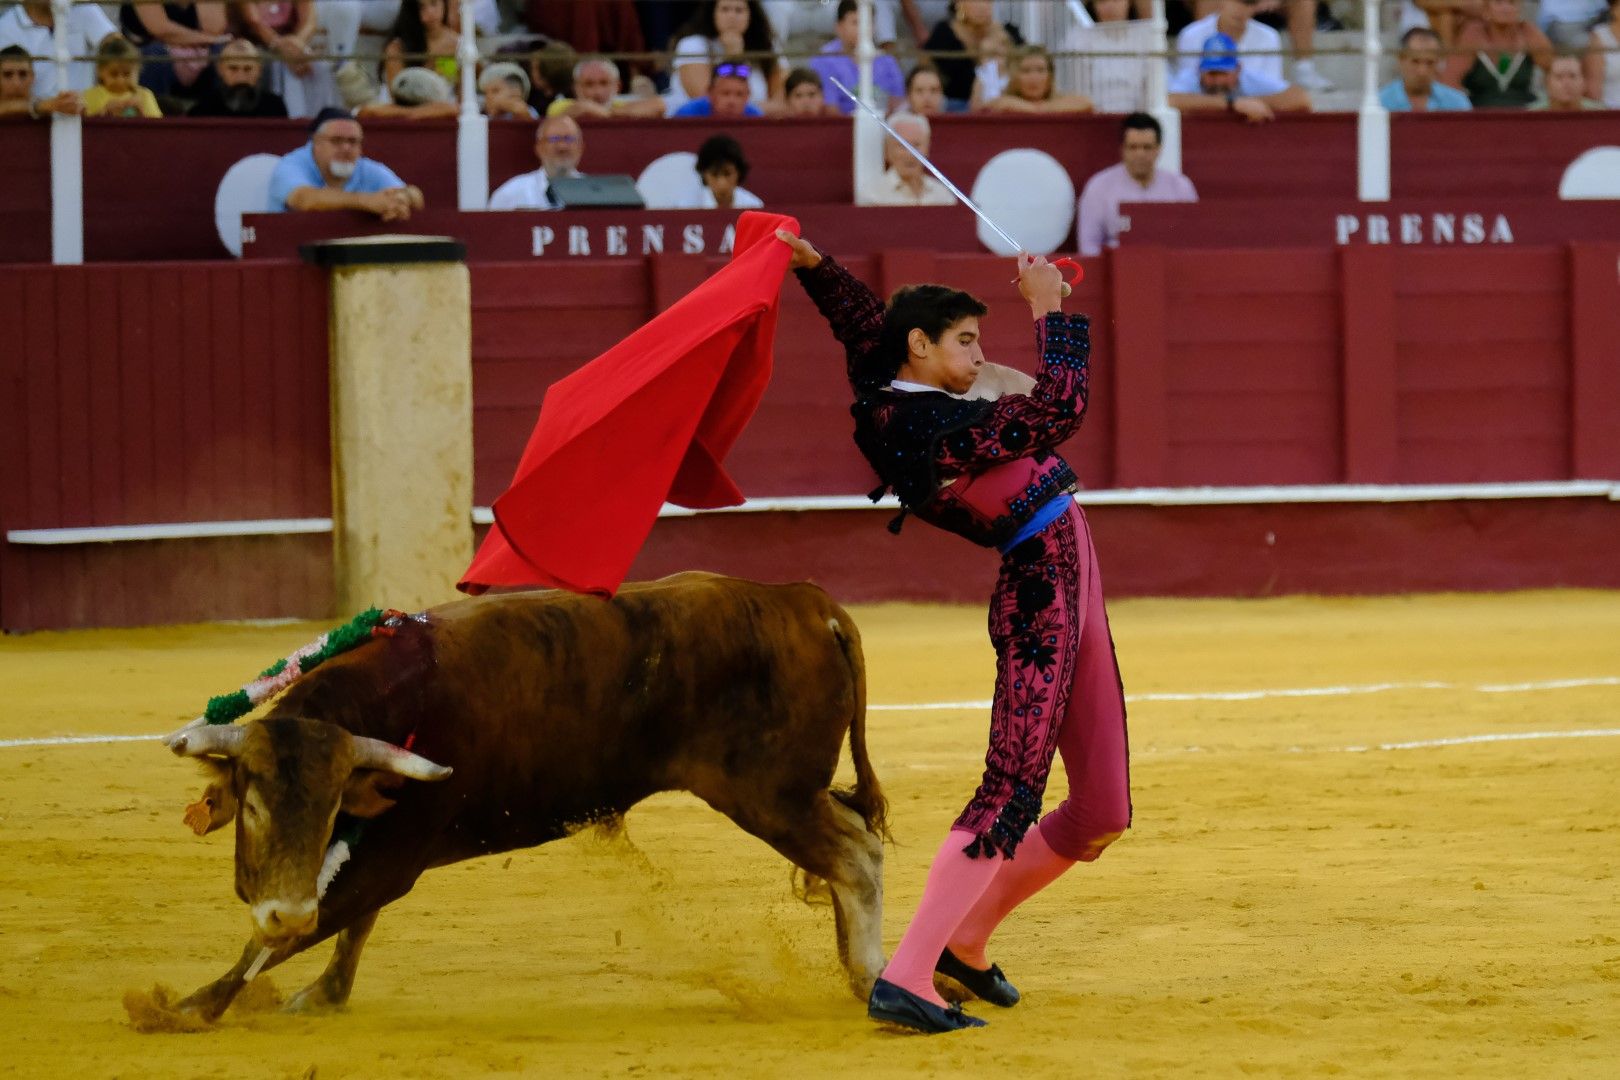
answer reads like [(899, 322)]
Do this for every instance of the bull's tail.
[(866, 798)]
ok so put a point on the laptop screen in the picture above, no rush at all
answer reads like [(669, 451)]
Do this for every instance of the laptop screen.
[(607, 190)]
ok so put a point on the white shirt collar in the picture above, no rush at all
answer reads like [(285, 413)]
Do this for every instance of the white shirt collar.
[(914, 388)]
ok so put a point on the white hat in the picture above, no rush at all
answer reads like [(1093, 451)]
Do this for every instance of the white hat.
[(502, 71)]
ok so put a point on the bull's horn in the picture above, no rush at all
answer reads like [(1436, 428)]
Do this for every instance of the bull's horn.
[(201, 741), (376, 754)]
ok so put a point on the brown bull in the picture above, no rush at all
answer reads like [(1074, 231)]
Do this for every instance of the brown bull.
[(531, 715)]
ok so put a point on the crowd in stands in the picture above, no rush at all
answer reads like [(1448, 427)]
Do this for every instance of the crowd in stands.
[(732, 57)]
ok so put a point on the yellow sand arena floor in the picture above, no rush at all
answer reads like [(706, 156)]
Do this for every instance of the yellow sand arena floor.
[(1297, 899)]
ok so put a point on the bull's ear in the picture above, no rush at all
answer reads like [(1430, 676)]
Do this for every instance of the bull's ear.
[(363, 795), (216, 807)]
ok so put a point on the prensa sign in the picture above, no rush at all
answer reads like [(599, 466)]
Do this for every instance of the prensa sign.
[(619, 240), (1425, 228)]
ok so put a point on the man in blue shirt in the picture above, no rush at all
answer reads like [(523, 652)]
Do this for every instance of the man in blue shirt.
[(727, 98), (1220, 82), (1416, 89), (328, 173)]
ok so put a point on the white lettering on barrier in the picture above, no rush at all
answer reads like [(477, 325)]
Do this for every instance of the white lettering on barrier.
[(728, 239), (652, 239), (692, 240), (539, 237), (579, 240), (1408, 229), (616, 240)]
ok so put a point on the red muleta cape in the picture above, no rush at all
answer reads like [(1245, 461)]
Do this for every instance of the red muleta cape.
[(647, 422)]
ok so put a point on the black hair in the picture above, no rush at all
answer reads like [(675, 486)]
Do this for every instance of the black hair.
[(331, 112), (759, 43), (409, 30), (933, 309), (1417, 32), (15, 52), (798, 77), (845, 7), (1141, 121), (926, 66), (718, 150)]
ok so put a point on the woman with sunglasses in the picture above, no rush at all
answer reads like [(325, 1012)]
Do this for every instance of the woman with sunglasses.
[(728, 30)]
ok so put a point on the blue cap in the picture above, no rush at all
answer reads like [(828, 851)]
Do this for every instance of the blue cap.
[(1220, 54)]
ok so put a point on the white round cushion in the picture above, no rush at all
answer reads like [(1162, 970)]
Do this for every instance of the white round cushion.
[(244, 189), (671, 182), (1030, 195), (1593, 175)]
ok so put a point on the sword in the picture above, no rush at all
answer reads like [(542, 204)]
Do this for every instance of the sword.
[(952, 188)]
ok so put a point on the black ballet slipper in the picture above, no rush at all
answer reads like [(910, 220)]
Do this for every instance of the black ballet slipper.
[(991, 986), (891, 1004)]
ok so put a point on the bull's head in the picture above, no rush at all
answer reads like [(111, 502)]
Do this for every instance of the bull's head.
[(284, 782)]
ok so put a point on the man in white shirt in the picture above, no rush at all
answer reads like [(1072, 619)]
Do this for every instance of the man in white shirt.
[(559, 145), (1258, 44), (33, 26), (905, 182)]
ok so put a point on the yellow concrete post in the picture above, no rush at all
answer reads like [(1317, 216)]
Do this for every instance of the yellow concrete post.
[(401, 361)]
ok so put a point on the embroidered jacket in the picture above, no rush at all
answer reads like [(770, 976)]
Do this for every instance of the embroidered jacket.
[(918, 443)]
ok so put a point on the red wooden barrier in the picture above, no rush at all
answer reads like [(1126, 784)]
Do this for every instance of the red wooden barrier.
[(149, 185), (197, 392), (160, 394)]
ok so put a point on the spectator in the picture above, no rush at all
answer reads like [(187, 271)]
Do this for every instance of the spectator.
[(1565, 85), (287, 31), (1496, 57), (1259, 45), (925, 93), (1223, 83), (905, 182), (792, 19), (1416, 90), (32, 27), (417, 93), (559, 146), (596, 94), (1033, 86), (727, 98), (551, 72), (971, 29), (506, 92), (1444, 17), (422, 37), (1603, 59), (178, 36), (804, 96), (17, 89), (1136, 179), (722, 30), (1116, 80), (118, 90), (235, 89), (328, 173), (1568, 23), (837, 61), (722, 168)]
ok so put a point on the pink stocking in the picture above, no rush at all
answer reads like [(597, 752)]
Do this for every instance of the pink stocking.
[(955, 883), (1032, 869)]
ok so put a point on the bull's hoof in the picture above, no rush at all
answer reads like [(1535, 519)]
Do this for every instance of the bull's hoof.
[(312, 1001)]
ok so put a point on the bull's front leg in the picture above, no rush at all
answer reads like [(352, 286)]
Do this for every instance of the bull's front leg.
[(211, 1001), (332, 988)]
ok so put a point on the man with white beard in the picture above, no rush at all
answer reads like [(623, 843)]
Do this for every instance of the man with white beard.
[(328, 173)]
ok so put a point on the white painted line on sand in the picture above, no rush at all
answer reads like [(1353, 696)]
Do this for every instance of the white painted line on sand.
[(1208, 695)]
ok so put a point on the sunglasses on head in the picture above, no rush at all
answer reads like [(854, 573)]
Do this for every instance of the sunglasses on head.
[(732, 71)]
